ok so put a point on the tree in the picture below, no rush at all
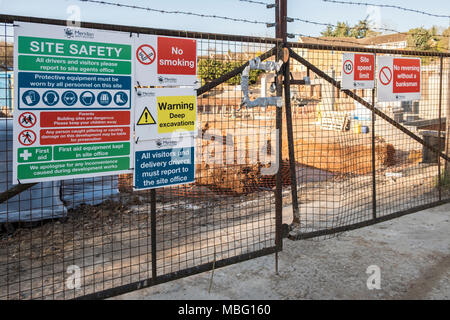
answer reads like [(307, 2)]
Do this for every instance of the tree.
[(342, 29), (210, 69), (443, 42), (423, 39), (6, 55)]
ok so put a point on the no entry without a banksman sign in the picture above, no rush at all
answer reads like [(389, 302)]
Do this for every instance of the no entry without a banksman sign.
[(72, 114)]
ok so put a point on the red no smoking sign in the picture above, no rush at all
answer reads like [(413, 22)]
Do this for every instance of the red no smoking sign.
[(145, 54), (165, 61), (177, 56)]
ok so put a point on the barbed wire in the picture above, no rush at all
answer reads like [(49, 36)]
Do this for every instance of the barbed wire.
[(354, 43), (375, 28), (388, 6), (101, 2), (201, 15), (255, 2)]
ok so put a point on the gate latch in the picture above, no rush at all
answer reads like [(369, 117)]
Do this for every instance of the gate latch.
[(256, 64)]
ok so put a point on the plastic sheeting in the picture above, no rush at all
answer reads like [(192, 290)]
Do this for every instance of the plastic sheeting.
[(43, 200), (40, 202), (91, 191)]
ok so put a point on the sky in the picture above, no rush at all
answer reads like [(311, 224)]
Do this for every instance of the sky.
[(314, 10)]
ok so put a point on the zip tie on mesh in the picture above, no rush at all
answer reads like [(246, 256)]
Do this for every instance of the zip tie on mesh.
[(256, 64)]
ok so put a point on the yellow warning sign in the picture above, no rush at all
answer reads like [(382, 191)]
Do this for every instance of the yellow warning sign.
[(146, 118), (176, 113)]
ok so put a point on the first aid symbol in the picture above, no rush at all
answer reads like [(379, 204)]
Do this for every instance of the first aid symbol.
[(25, 155)]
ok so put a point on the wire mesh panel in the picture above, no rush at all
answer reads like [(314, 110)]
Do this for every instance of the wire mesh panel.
[(96, 237), (354, 167)]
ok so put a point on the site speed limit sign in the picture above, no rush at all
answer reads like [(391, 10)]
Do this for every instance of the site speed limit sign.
[(358, 71)]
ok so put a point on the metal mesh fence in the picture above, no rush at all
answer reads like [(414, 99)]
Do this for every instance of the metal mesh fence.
[(96, 237), (117, 239), (352, 170)]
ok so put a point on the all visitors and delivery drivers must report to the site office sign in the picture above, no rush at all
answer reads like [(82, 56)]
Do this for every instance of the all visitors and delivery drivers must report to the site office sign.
[(72, 111)]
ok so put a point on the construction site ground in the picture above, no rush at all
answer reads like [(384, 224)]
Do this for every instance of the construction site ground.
[(412, 252), (111, 241)]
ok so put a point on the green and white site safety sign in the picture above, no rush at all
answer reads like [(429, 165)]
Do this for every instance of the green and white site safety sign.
[(78, 113), (72, 114)]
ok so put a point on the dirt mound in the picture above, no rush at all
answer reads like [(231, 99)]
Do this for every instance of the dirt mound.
[(335, 157)]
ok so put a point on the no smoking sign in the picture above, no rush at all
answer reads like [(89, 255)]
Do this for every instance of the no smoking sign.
[(145, 54), (165, 61)]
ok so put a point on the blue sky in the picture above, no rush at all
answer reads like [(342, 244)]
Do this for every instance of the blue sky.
[(315, 10)]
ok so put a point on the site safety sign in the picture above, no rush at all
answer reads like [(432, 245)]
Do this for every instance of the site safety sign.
[(165, 113), (164, 162), (398, 78), (72, 106), (164, 61), (358, 71)]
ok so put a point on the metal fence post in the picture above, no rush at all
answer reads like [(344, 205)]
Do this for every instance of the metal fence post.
[(279, 128), (440, 127), (153, 230), (374, 181)]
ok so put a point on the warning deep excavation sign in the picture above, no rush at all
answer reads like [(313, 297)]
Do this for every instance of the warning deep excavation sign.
[(358, 71), (164, 113), (72, 114), (398, 78), (163, 61)]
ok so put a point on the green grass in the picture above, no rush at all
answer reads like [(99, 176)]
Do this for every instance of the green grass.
[(444, 181)]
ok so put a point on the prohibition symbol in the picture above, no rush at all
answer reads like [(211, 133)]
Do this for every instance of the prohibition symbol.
[(146, 118), (348, 66), (385, 76), (27, 137), (146, 54), (27, 119)]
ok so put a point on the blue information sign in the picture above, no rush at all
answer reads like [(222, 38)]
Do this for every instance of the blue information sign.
[(164, 167)]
